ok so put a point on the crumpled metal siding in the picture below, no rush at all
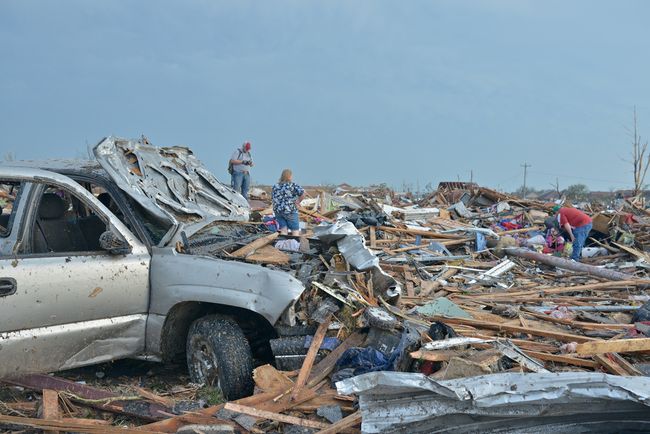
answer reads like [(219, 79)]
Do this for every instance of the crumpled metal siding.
[(505, 402), (352, 246), (170, 183)]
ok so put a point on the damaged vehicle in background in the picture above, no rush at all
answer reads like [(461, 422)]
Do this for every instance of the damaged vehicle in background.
[(127, 256)]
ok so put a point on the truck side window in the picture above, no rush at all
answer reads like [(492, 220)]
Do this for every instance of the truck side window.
[(63, 223), (9, 195)]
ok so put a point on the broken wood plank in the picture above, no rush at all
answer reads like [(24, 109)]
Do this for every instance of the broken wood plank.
[(50, 407), (373, 237), (314, 214), (429, 286), (568, 360), (610, 365), (423, 233), (560, 290), (316, 342), (68, 425), (92, 397), (624, 364), (268, 255), (326, 366), (251, 411), (565, 337), (436, 356), (346, 422), (50, 404), (614, 346), (251, 247)]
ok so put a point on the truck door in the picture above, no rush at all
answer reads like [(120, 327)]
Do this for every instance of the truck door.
[(64, 301)]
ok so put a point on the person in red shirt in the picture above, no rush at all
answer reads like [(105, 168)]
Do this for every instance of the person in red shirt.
[(577, 225)]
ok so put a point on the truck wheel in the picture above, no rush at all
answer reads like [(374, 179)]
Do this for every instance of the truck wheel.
[(218, 355)]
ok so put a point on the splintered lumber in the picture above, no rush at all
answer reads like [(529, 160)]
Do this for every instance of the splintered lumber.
[(560, 290), (610, 365), (50, 407), (568, 360), (90, 396), (422, 233), (325, 366), (567, 264), (202, 416), (373, 238), (251, 411), (251, 247), (69, 425), (314, 214), (614, 346), (624, 364), (436, 356), (429, 286), (346, 422), (310, 358), (564, 337), (268, 255), (50, 404)]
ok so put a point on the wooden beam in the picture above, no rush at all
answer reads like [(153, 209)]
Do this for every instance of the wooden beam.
[(427, 234), (325, 366), (68, 425), (90, 396), (314, 214), (251, 411), (373, 238), (614, 346), (50, 407), (564, 337), (310, 357), (568, 360), (346, 422), (251, 247), (560, 290), (436, 356), (624, 364), (610, 365)]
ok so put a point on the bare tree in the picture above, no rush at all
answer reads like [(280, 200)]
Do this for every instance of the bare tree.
[(577, 192), (640, 160), (556, 187)]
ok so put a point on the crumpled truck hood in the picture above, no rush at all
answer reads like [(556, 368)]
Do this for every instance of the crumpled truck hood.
[(170, 183)]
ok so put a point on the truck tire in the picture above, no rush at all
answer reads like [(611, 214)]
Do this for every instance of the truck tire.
[(218, 355)]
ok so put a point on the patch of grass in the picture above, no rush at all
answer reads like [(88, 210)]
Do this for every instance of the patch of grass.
[(211, 395)]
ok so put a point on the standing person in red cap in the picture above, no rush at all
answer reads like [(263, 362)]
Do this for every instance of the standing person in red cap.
[(239, 169)]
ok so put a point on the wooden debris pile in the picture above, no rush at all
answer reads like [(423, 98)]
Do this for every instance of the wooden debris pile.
[(469, 306)]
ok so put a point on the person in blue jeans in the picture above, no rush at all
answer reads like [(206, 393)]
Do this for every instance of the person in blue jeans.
[(577, 225), (240, 164), (286, 196)]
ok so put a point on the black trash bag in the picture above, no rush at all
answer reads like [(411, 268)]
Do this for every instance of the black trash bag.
[(440, 331)]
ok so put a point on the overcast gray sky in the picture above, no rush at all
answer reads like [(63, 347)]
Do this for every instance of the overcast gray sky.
[(340, 91)]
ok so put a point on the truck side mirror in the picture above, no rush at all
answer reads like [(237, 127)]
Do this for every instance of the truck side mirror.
[(114, 243)]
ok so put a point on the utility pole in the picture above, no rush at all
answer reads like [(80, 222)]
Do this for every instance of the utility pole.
[(525, 166), (471, 176)]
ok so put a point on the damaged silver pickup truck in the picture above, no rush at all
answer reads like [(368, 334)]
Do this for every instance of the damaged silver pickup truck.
[(107, 259)]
